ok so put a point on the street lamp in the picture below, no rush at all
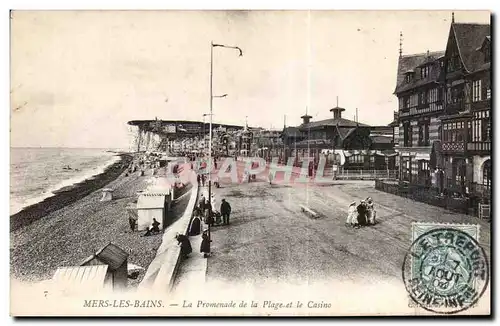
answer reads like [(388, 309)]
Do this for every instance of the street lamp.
[(212, 46)]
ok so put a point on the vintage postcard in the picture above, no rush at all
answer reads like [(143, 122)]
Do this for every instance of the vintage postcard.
[(250, 163)]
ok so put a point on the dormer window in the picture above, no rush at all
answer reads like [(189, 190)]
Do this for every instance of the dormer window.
[(424, 71), (409, 76)]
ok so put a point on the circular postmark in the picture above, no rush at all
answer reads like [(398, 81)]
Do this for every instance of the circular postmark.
[(445, 271)]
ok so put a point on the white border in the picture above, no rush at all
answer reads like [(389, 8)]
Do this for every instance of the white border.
[(183, 4)]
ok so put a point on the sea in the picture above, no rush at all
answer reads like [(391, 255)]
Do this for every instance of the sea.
[(35, 173)]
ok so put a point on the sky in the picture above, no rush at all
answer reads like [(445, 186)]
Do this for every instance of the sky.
[(77, 77)]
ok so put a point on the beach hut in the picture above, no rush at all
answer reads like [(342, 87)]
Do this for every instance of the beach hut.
[(149, 206), (116, 260), (82, 279)]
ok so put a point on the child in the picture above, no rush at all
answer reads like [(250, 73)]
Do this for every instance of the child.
[(352, 216)]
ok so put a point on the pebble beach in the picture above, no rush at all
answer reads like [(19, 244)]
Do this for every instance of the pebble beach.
[(67, 236)]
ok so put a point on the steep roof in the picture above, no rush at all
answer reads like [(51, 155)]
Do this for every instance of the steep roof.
[(409, 63), (469, 38)]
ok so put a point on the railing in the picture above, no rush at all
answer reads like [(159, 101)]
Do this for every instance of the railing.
[(427, 108), (479, 146), (457, 146), (450, 198), (424, 194), (365, 174)]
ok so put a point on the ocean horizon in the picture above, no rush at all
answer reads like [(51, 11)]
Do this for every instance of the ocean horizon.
[(37, 172)]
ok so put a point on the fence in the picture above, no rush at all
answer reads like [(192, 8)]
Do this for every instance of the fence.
[(344, 174), (431, 196)]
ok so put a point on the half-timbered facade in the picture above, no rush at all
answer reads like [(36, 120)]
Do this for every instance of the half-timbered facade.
[(420, 105), (466, 127)]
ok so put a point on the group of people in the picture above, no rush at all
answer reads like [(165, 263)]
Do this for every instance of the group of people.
[(363, 214), (201, 178), (211, 217), (154, 229)]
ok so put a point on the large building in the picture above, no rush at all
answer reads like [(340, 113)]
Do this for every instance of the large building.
[(444, 117), (420, 105), (466, 125), (343, 142)]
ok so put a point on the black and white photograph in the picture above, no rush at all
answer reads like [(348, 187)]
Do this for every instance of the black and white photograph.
[(250, 163)]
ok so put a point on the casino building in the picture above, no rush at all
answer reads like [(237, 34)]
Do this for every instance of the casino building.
[(349, 144)]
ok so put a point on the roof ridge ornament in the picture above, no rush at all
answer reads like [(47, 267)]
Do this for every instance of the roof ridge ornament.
[(400, 44)]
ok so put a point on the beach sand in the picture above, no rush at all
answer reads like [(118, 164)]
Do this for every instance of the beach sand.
[(68, 236)]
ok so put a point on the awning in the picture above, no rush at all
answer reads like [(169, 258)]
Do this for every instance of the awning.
[(422, 156)]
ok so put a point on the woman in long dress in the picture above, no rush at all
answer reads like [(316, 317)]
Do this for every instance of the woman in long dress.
[(362, 210), (205, 245), (370, 211)]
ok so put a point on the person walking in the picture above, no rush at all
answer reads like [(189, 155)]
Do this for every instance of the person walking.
[(225, 210), (205, 245)]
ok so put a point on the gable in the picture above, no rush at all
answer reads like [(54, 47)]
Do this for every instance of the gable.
[(468, 38)]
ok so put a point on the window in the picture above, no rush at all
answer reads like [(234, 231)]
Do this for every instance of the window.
[(409, 77), (432, 95), (356, 159), (469, 131), (481, 126), (476, 90), (459, 171), (423, 134), (424, 72), (406, 169), (407, 136), (424, 172), (488, 93), (487, 173), (406, 102)]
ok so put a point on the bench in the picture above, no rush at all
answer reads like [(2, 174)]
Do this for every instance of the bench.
[(107, 194), (306, 209)]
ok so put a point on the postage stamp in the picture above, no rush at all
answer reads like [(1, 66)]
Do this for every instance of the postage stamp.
[(445, 270)]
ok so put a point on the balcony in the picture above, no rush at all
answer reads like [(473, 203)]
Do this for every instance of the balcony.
[(453, 147), (422, 109), (479, 147)]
